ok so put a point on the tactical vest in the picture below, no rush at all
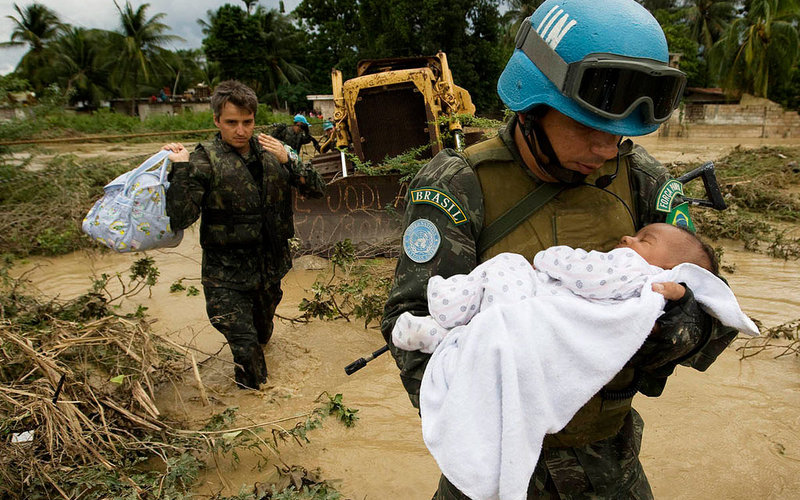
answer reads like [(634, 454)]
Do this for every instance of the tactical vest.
[(234, 209), (581, 217)]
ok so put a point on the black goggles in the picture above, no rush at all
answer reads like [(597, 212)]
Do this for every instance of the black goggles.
[(609, 85)]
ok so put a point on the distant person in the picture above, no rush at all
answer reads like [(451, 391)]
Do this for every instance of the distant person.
[(242, 187), (297, 135), (328, 140)]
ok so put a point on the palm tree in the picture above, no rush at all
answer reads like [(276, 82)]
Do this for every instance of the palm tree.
[(256, 49), (277, 38), (654, 5), (36, 26), (140, 43), (80, 64), (708, 20), (760, 47), (518, 11)]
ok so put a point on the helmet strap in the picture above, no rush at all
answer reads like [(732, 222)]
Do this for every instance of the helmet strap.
[(542, 151)]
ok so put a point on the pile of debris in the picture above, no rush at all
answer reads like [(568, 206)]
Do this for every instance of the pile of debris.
[(76, 392)]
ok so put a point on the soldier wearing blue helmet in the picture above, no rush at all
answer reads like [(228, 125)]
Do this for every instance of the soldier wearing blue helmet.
[(583, 76), (295, 136)]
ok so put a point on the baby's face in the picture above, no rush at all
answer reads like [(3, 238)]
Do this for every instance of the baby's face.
[(659, 244)]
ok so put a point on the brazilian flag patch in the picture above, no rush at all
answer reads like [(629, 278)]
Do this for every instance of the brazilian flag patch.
[(679, 216), (441, 200)]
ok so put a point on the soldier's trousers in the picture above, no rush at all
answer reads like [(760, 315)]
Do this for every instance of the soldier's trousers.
[(607, 469), (245, 318)]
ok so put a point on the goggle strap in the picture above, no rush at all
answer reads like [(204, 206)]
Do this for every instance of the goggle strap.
[(547, 60)]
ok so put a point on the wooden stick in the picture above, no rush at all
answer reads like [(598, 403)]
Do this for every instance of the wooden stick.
[(130, 416), (200, 386)]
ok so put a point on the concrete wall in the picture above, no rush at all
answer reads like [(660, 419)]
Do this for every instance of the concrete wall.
[(7, 114), (751, 118), (323, 104)]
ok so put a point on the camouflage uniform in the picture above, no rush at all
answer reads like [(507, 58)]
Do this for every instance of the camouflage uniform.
[(244, 233), (605, 465), (287, 134)]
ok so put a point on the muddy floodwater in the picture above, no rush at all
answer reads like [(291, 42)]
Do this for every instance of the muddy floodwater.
[(732, 432)]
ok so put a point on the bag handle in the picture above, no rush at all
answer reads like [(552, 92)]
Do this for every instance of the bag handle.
[(147, 165)]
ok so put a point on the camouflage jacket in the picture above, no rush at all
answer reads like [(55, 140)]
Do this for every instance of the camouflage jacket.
[(286, 133), (245, 227), (687, 335)]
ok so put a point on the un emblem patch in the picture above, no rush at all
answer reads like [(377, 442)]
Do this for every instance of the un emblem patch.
[(421, 240)]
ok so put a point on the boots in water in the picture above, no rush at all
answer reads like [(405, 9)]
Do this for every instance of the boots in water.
[(251, 369)]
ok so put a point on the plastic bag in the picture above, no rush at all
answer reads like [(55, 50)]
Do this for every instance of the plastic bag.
[(132, 214)]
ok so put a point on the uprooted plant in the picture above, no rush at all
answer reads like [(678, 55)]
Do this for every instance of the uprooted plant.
[(77, 391), (359, 289), (774, 340), (753, 183)]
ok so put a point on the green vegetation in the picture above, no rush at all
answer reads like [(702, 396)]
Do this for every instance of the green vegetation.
[(41, 211), (53, 123), (256, 48), (78, 384), (745, 46), (759, 188), (360, 290)]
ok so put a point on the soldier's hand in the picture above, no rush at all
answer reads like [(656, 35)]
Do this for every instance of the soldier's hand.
[(670, 290), (178, 154), (274, 146)]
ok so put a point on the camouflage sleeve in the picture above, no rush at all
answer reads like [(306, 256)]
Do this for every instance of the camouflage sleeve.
[(304, 177), (450, 175), (684, 334), (188, 184)]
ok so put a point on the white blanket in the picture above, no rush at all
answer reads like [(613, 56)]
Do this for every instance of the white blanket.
[(494, 387)]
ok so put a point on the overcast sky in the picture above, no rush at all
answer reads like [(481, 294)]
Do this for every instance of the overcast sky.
[(181, 16)]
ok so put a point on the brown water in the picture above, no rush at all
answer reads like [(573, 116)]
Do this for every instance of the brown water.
[(732, 432)]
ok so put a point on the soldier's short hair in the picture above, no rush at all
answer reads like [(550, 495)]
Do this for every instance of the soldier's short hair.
[(236, 93)]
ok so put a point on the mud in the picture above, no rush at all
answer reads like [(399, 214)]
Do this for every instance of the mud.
[(731, 432)]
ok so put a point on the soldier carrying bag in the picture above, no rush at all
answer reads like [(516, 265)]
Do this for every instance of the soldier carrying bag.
[(132, 214)]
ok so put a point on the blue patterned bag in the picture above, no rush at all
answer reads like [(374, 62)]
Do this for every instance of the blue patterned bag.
[(132, 214)]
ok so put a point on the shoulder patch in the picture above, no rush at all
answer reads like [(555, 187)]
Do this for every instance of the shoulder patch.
[(668, 193), (421, 240), (441, 200)]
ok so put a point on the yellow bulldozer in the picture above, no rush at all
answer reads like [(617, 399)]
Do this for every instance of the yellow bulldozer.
[(390, 107), (397, 104)]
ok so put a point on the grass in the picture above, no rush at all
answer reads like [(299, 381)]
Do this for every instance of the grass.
[(52, 123)]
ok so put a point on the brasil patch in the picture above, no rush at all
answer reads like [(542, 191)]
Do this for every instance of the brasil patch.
[(440, 200), (421, 240), (679, 216), (668, 193)]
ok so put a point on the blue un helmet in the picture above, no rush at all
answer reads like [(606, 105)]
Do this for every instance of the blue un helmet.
[(300, 119), (603, 64), (326, 125)]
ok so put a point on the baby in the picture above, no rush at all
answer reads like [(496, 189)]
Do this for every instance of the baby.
[(596, 276)]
